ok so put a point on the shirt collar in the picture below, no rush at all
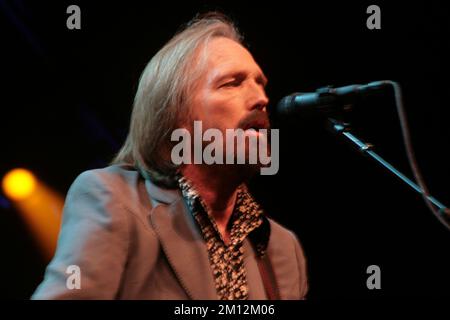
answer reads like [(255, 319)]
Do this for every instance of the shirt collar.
[(248, 218)]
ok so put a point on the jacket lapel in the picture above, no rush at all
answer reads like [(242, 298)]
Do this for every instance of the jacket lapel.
[(184, 249)]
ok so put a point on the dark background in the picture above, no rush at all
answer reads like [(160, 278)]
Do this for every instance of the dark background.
[(66, 98)]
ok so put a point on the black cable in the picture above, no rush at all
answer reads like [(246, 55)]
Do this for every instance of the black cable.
[(442, 215)]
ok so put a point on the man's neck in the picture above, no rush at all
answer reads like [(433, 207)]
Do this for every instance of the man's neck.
[(218, 187)]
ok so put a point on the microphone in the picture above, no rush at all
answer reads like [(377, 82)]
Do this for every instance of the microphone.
[(327, 101)]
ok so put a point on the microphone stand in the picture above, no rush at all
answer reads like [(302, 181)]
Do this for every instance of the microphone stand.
[(343, 129)]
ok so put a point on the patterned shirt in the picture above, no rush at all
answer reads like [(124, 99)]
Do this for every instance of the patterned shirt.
[(227, 260)]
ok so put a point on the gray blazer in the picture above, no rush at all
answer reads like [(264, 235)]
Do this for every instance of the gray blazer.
[(134, 240)]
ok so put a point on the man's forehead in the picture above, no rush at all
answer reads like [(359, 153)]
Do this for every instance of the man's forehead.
[(225, 55)]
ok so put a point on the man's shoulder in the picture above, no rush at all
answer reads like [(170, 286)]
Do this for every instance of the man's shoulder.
[(283, 238), (278, 229), (113, 175), (122, 182), (285, 243)]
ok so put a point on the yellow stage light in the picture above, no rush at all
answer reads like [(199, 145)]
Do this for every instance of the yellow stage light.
[(39, 205), (19, 184)]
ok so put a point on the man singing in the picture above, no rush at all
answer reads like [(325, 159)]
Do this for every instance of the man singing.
[(147, 228)]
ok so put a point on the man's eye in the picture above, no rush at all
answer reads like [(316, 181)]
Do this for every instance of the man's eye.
[(234, 83)]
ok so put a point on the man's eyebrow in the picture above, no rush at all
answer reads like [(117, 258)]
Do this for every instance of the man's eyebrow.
[(234, 74), (239, 75)]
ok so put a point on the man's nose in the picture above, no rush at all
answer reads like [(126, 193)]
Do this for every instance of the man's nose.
[(259, 99)]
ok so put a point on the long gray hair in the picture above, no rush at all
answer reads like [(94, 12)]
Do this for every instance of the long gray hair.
[(161, 103)]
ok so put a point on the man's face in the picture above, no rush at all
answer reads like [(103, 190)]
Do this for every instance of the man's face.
[(230, 93)]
